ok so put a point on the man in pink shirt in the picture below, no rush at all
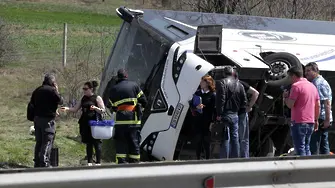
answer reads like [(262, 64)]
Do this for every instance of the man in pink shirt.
[(304, 102)]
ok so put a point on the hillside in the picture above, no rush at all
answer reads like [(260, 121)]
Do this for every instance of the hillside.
[(36, 30)]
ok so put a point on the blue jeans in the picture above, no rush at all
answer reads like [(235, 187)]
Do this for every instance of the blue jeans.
[(243, 132), (230, 144), (301, 136), (319, 141)]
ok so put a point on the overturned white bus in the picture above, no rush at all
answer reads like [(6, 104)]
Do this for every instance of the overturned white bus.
[(167, 52)]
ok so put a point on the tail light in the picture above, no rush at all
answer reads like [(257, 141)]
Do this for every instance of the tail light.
[(209, 182)]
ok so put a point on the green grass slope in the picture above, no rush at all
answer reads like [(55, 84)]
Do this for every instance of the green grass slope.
[(36, 29)]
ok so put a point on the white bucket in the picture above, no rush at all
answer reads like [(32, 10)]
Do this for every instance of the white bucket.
[(102, 131)]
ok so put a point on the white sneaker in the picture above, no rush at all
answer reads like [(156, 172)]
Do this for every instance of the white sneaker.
[(89, 164), (98, 164)]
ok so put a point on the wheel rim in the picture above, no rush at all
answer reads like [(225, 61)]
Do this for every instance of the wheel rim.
[(278, 69)]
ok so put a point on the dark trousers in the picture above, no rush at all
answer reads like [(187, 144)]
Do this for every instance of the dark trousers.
[(127, 141), (86, 138), (96, 144), (319, 140), (44, 136), (202, 136)]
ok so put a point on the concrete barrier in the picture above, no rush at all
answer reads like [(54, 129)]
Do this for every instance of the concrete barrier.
[(278, 172)]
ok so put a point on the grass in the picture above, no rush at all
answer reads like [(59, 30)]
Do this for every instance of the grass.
[(44, 19), (36, 30)]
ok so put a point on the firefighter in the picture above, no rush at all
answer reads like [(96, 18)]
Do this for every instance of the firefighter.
[(127, 99)]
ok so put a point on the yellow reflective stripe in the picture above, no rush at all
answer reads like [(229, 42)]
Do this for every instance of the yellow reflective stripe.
[(117, 103), (135, 156), (111, 102), (121, 155), (126, 122), (130, 122), (139, 94), (136, 120)]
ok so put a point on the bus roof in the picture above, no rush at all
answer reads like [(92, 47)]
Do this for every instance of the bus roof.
[(243, 22)]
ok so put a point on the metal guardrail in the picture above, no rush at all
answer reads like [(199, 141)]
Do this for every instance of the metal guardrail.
[(260, 173)]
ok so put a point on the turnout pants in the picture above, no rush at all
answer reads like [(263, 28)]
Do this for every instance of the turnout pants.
[(127, 141), (44, 136)]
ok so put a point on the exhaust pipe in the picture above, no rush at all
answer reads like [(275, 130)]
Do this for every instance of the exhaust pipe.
[(280, 83)]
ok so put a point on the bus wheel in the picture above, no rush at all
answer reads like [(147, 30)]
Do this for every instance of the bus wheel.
[(280, 63)]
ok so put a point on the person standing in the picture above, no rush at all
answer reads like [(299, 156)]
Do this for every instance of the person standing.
[(45, 100), (126, 98), (92, 107), (319, 141), (243, 120), (304, 102), (203, 120), (230, 98)]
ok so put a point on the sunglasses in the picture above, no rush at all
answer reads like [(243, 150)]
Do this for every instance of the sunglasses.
[(85, 88)]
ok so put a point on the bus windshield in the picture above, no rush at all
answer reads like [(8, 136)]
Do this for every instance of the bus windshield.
[(134, 50)]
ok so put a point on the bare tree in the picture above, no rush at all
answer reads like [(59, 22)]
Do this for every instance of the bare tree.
[(294, 9), (82, 67)]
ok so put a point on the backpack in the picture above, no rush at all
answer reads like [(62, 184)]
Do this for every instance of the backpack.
[(30, 112)]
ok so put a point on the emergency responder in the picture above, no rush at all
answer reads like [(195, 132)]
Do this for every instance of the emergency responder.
[(127, 100)]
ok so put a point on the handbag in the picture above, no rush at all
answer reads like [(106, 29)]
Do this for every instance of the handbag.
[(217, 130), (102, 128)]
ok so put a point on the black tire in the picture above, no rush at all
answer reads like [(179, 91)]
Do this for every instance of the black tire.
[(280, 62)]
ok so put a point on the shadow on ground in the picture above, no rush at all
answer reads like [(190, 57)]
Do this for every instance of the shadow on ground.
[(11, 166)]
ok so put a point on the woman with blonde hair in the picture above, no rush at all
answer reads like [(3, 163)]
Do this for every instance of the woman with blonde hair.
[(204, 114)]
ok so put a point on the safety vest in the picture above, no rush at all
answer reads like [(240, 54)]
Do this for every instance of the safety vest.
[(119, 103)]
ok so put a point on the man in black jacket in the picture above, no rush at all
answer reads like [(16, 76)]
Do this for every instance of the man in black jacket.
[(45, 100), (230, 98)]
